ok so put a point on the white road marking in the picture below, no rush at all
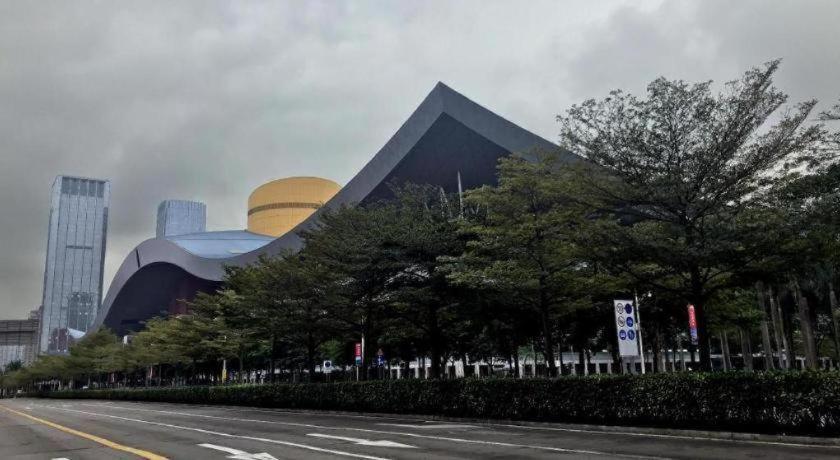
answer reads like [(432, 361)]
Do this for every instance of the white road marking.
[(237, 454), (430, 426), (506, 425), (397, 433), (670, 436), (226, 435), (363, 442), (61, 458)]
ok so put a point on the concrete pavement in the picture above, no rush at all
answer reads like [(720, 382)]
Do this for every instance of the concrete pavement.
[(84, 429)]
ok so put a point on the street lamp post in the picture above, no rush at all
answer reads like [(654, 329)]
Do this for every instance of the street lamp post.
[(639, 326)]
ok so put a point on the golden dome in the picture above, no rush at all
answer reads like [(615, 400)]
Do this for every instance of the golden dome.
[(278, 206)]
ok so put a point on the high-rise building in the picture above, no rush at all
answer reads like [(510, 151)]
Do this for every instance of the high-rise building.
[(180, 217), (75, 260)]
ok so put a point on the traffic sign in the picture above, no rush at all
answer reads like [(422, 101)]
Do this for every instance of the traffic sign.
[(625, 331), (327, 367)]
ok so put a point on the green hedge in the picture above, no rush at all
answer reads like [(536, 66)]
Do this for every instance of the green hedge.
[(791, 403)]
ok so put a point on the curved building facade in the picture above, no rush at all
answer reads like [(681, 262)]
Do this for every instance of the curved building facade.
[(447, 136), (280, 205)]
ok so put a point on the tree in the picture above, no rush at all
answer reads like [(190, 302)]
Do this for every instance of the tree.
[(523, 246), (423, 301), (13, 366), (293, 296), (227, 325), (673, 174), (355, 246), (808, 207)]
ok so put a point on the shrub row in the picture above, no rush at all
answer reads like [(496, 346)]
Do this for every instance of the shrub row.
[(790, 403)]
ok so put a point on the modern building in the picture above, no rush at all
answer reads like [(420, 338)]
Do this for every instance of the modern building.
[(75, 260), (279, 206), (18, 341), (446, 138), (180, 217)]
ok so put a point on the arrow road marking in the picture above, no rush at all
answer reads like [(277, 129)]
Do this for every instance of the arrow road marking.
[(363, 442), (240, 454)]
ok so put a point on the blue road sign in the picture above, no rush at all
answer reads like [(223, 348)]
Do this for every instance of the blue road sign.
[(622, 335), (631, 334), (629, 322)]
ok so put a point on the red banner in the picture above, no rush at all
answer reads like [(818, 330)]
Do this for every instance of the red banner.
[(358, 349), (692, 324)]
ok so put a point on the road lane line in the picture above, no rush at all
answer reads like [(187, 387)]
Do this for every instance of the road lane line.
[(440, 426), (489, 425), (363, 442), (225, 435), (113, 445), (398, 433)]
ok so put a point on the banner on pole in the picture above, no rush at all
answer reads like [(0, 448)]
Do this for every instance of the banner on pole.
[(358, 353), (692, 324), (626, 328)]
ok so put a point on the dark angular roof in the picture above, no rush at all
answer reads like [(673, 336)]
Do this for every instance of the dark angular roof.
[(446, 136)]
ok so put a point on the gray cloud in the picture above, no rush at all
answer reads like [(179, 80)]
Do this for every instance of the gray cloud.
[(206, 100)]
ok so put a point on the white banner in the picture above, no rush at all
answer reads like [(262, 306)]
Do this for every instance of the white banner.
[(626, 328)]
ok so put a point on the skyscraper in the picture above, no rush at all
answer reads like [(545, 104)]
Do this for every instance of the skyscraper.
[(75, 260), (180, 217)]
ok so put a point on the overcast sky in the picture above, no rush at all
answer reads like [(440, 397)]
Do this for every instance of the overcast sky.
[(206, 100)]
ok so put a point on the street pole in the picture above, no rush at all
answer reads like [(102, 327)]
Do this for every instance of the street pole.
[(639, 327)]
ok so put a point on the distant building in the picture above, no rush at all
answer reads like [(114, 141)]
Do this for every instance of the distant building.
[(75, 260), (18, 341), (180, 217)]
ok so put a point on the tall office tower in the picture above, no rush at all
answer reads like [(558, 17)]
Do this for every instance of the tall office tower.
[(75, 260), (180, 217)]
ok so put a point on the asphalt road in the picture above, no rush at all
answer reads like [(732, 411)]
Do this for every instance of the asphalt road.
[(74, 430)]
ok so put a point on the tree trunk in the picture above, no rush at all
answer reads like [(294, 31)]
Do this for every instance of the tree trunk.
[(806, 327), (516, 372), (765, 329), (310, 358), (703, 341), (657, 350), (724, 351), (560, 355), (680, 351), (435, 345), (547, 328), (835, 321), (582, 362), (746, 349), (778, 328)]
